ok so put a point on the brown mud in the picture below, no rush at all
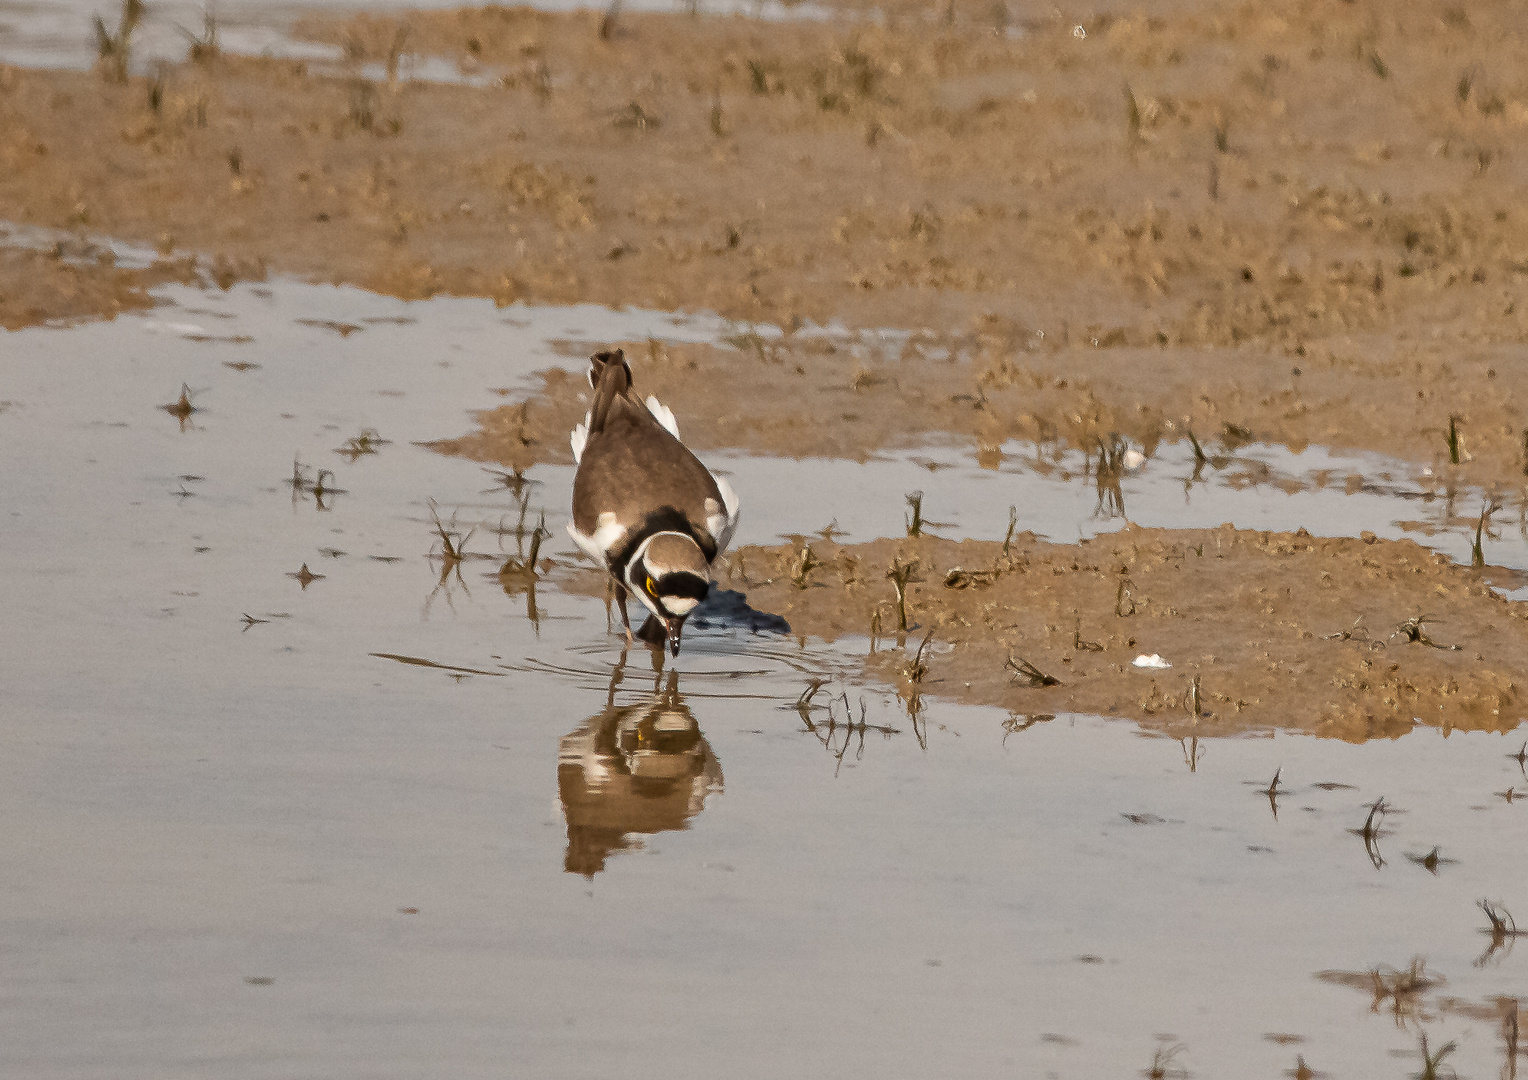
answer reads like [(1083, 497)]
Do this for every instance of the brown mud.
[(1304, 224), (68, 282), (1351, 638)]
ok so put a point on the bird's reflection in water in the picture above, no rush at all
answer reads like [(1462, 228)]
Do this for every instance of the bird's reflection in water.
[(632, 769)]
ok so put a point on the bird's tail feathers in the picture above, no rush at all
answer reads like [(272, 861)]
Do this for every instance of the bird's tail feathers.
[(611, 376), (603, 360)]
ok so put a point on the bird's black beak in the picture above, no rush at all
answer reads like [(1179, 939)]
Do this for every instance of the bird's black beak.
[(675, 627)]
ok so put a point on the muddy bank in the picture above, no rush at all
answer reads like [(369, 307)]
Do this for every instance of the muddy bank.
[(850, 396), (1278, 630), (75, 281), (1171, 215)]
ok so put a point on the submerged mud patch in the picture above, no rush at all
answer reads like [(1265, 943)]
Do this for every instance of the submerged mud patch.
[(68, 281), (1349, 638)]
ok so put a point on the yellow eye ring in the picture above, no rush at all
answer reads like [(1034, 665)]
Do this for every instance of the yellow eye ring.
[(652, 589)]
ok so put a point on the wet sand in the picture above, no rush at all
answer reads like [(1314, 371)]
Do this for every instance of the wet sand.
[(75, 281), (1276, 630), (1304, 225)]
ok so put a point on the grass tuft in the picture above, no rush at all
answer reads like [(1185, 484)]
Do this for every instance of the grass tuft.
[(915, 520), (201, 50), (113, 50), (901, 574), (1023, 669)]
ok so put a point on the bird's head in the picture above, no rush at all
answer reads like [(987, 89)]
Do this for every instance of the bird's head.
[(671, 576)]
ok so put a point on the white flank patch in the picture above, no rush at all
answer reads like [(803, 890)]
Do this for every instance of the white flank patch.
[(1152, 661), (607, 532), (723, 525), (664, 415), (580, 439), (587, 545)]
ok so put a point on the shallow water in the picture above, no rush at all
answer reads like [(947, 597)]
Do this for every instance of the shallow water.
[(391, 825), (59, 33)]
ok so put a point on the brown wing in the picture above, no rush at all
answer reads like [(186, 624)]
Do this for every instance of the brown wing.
[(633, 468)]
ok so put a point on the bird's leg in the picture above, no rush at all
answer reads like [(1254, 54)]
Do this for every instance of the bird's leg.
[(620, 602)]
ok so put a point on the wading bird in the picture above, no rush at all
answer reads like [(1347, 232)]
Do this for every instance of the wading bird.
[(644, 507)]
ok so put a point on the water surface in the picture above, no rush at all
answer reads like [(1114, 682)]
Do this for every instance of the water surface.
[(401, 819)]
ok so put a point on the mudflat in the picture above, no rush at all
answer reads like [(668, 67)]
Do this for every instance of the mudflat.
[(1302, 226)]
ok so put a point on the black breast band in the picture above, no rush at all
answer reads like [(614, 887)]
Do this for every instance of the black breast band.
[(663, 519)]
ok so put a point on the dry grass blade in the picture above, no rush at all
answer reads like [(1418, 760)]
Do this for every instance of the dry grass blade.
[(1371, 830), (635, 118), (916, 668), (958, 577), (1191, 701), (1431, 1061), (113, 49), (901, 574), (453, 545), (802, 565), (608, 20), (1023, 669), (1412, 631), (1509, 1036), (1477, 552), (204, 48), (915, 519), (1401, 988), (525, 567), (1503, 925), (804, 702), (1124, 599)]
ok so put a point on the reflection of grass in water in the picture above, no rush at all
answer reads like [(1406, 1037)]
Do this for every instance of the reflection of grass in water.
[(367, 442), (1431, 1061), (181, 408), (1503, 930), (1164, 1063)]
